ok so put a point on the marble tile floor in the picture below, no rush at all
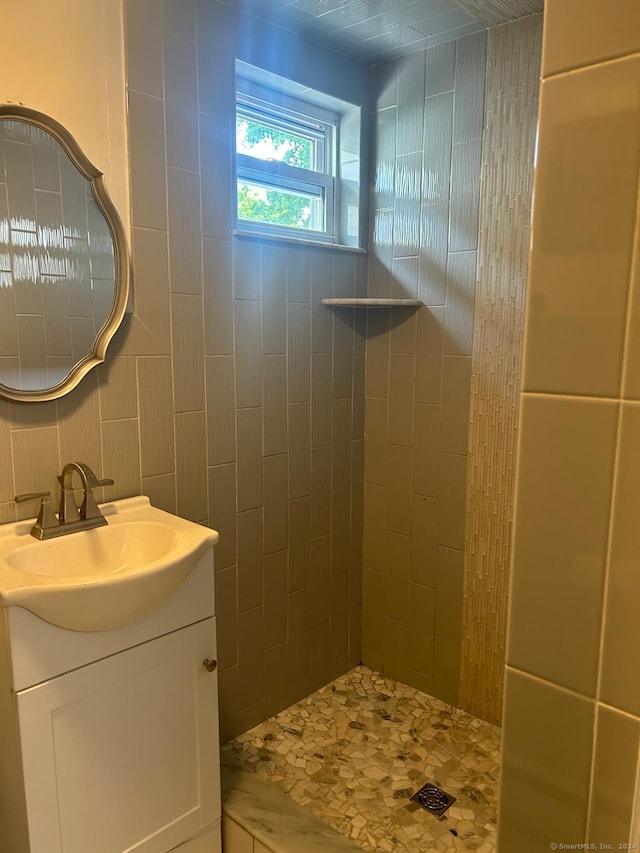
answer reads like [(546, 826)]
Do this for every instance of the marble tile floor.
[(354, 752)]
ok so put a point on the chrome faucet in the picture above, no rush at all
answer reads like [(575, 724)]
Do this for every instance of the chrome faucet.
[(71, 517)]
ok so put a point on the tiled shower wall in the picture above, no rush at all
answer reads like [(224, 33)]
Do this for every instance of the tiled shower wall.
[(511, 108), (572, 695), (428, 125), (230, 396)]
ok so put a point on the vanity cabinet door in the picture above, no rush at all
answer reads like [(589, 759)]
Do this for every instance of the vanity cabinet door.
[(123, 754)]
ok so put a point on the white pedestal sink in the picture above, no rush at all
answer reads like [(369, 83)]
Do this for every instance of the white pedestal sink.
[(108, 686), (101, 579)]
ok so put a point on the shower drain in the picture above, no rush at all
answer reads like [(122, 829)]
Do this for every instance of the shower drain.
[(433, 799)]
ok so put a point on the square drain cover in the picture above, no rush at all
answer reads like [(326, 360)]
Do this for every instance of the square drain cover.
[(433, 799)]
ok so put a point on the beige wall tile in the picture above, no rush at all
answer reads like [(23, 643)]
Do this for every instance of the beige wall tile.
[(446, 670), (355, 568), (276, 498), (151, 298), (320, 491), (399, 489), (421, 617), (246, 269), (79, 428), (341, 443), (121, 458), (453, 485), (274, 299), (320, 655), (321, 316), (546, 764), (299, 547), (298, 274), (161, 491), (191, 471), (375, 524), (221, 415), (216, 31), (249, 466), (226, 617), (375, 426), (187, 341), (275, 598), (218, 297), (429, 355), (222, 513), (117, 388), (585, 190), (401, 384), (155, 401), (216, 169), (339, 616), (299, 423), (250, 551), (456, 398), (143, 30), (396, 576), (298, 352), (458, 313), (181, 98), (342, 353), (147, 167), (564, 487), (35, 465), (424, 540), (358, 399), (617, 739), (378, 347), (396, 649), (320, 398), (357, 482), (404, 327), (631, 380), (185, 227), (449, 582), (248, 353), (180, 17), (598, 36), (275, 675), (426, 444), (320, 586), (274, 395), (298, 635), (250, 659), (619, 686)]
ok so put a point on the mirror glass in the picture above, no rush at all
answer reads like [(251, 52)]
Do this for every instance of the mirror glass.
[(63, 273)]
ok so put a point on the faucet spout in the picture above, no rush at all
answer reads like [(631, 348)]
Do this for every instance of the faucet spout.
[(69, 511)]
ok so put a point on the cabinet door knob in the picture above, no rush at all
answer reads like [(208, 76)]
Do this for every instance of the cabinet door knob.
[(209, 665)]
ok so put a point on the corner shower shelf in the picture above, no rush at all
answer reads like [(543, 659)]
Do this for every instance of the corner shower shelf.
[(372, 302)]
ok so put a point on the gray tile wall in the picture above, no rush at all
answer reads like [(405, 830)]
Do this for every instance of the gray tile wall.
[(231, 396), (428, 124)]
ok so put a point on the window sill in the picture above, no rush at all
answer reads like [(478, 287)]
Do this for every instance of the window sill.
[(295, 241)]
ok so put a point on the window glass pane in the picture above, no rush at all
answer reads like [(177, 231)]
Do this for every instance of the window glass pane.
[(277, 206), (267, 142)]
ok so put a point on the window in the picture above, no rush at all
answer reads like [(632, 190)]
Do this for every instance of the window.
[(291, 175)]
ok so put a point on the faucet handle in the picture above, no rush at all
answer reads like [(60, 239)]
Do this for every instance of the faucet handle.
[(46, 516), (31, 496), (107, 481)]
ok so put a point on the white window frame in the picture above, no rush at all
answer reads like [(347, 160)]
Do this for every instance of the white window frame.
[(287, 113)]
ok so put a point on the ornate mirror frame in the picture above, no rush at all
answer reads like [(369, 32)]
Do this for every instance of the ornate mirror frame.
[(94, 177)]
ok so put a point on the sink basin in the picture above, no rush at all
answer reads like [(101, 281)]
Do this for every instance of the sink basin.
[(105, 578)]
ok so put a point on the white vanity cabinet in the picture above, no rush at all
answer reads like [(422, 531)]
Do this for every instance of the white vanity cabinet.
[(109, 739)]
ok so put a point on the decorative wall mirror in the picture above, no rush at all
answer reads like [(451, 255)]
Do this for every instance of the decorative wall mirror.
[(64, 267)]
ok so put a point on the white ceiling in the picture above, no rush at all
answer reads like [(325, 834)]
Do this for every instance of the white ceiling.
[(375, 30)]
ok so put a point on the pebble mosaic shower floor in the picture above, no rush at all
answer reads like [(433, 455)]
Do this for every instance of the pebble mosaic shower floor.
[(355, 751)]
